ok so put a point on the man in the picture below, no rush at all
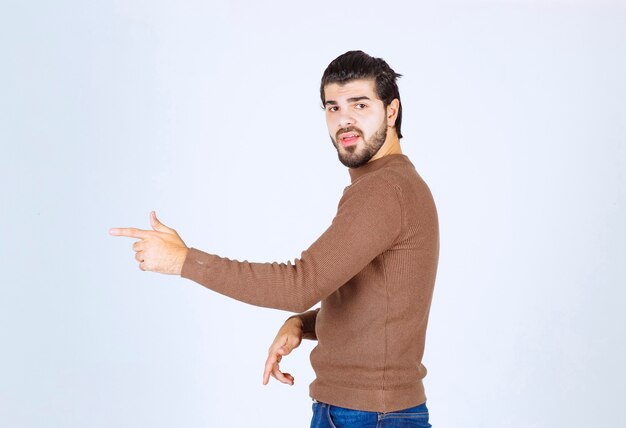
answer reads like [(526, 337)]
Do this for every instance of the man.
[(373, 269)]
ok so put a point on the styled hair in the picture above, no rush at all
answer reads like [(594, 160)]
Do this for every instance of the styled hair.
[(356, 65)]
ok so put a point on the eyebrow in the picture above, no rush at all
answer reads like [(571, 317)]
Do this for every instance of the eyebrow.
[(350, 100)]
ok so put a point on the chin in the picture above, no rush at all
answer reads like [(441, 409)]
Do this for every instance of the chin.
[(354, 161)]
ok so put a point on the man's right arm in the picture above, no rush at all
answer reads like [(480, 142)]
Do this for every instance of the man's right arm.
[(294, 329)]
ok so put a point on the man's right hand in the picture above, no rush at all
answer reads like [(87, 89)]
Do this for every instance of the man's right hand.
[(288, 338)]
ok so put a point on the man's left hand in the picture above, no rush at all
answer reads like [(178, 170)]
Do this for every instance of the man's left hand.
[(159, 250)]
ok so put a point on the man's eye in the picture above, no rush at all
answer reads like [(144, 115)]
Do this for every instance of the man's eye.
[(332, 108), (360, 106)]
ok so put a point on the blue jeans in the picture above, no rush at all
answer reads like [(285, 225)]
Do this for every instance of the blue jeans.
[(329, 416)]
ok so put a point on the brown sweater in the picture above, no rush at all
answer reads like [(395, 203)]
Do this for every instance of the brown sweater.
[(373, 270)]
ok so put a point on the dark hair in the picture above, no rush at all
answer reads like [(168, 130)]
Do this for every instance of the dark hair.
[(354, 65)]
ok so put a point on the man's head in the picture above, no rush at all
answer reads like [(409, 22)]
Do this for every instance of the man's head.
[(361, 99)]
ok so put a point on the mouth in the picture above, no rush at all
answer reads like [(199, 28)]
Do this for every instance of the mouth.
[(349, 138)]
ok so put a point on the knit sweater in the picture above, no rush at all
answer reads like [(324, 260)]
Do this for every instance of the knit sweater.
[(373, 270)]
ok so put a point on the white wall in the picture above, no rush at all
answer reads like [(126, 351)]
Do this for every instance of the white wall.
[(209, 113)]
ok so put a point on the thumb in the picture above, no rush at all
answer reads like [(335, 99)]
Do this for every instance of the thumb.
[(157, 225)]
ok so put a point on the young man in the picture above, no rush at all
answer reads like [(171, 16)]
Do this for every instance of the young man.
[(373, 269)]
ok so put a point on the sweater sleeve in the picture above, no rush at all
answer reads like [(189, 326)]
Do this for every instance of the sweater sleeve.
[(368, 220)]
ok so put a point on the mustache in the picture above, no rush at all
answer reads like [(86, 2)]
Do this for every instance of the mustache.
[(348, 129)]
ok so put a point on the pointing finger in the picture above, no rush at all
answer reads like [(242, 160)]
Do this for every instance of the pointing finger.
[(269, 365), (130, 232)]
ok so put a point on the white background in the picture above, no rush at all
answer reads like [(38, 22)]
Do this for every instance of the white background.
[(209, 113)]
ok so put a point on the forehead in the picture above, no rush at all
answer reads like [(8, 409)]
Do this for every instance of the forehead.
[(351, 89)]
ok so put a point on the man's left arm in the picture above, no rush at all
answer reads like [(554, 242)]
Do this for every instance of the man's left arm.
[(367, 222)]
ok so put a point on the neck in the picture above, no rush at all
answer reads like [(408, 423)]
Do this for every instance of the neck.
[(391, 146)]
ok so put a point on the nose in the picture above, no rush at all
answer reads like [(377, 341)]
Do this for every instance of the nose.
[(345, 119)]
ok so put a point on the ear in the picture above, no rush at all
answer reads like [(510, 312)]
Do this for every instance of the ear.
[(392, 112)]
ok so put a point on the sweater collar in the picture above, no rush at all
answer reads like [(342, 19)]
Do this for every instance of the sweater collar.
[(375, 165)]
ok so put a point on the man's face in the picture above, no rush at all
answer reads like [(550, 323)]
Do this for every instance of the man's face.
[(356, 120)]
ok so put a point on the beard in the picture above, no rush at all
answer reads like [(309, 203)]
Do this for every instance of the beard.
[(355, 156)]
